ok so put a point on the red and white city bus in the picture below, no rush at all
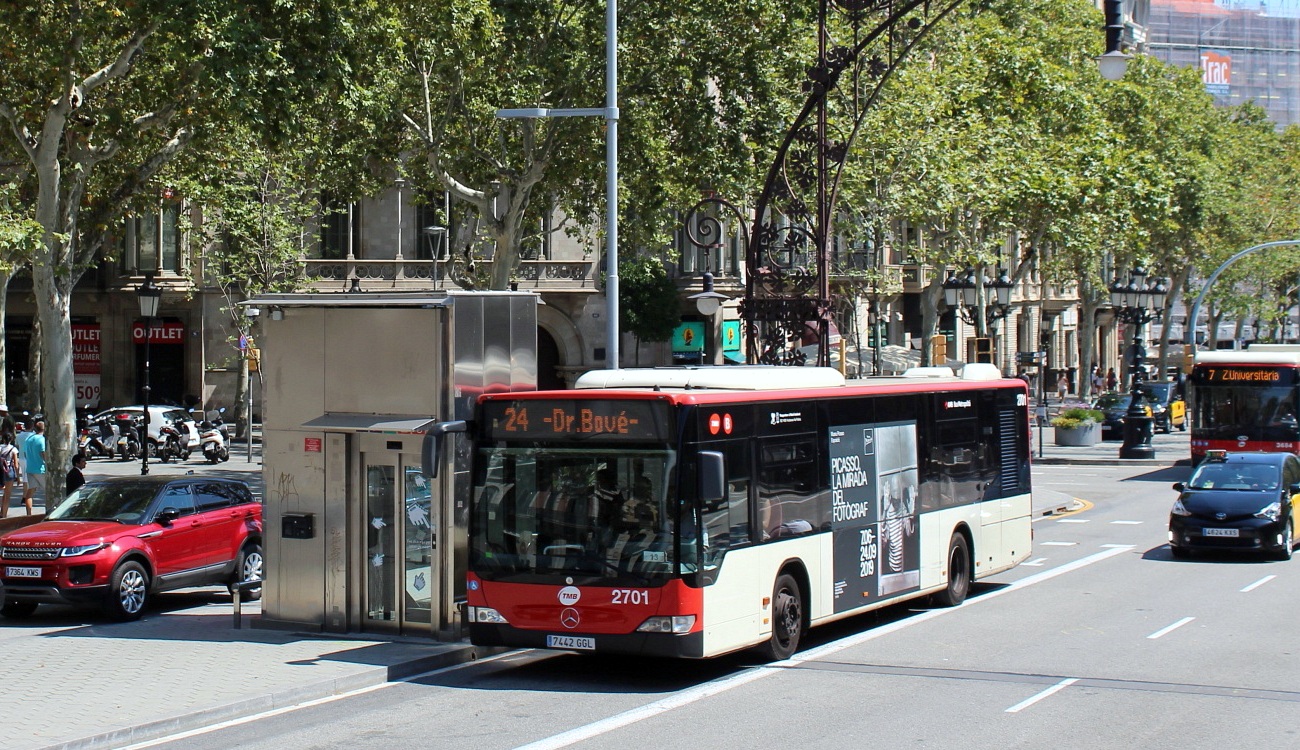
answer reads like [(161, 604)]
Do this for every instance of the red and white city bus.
[(1245, 400), (691, 512)]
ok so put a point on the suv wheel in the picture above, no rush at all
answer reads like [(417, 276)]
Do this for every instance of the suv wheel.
[(128, 591), (248, 569), (17, 609)]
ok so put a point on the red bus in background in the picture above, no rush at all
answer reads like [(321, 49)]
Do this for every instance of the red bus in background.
[(692, 512), (1245, 400)]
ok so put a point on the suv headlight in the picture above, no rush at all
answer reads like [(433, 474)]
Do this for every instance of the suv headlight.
[(1179, 509), (84, 549), (1270, 511)]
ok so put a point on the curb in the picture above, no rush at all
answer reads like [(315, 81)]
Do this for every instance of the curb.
[(206, 717)]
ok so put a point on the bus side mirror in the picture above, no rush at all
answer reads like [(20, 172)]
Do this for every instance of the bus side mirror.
[(431, 449), (713, 476)]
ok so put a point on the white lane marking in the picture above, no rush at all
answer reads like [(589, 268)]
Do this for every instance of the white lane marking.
[(1073, 520), (618, 721), (1057, 544), (1127, 523), (1110, 546), (1257, 584), (1037, 562), (1170, 628), (306, 704), (1026, 703)]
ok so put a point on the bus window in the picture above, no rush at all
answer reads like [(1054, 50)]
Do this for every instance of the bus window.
[(790, 502), (726, 521)]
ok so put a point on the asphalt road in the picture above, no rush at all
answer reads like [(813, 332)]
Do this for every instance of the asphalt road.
[(1100, 640)]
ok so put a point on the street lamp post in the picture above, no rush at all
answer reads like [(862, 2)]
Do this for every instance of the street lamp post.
[(149, 296), (1137, 303), (961, 293), (610, 113)]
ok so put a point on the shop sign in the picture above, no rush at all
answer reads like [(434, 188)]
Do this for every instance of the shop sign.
[(159, 333)]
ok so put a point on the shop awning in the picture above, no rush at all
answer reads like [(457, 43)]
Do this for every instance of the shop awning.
[(392, 424)]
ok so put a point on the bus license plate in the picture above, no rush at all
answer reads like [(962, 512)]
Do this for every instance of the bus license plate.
[(23, 572), (571, 641), (1221, 532)]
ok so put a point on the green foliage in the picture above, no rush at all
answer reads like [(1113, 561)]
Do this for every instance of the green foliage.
[(1075, 417), (649, 307)]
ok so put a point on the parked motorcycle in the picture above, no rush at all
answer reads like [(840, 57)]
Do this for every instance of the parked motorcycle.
[(173, 444), (214, 436), (96, 438), (127, 427)]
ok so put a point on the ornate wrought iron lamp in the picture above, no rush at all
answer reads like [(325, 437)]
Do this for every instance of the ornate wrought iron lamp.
[(1137, 303)]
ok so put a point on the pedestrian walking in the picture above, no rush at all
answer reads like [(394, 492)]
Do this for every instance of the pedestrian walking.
[(75, 476), (8, 471), (1097, 381), (1112, 380), (33, 454), (1062, 384)]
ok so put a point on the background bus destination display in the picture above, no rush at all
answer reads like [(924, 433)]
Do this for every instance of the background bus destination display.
[(551, 419), (873, 500), (1245, 375)]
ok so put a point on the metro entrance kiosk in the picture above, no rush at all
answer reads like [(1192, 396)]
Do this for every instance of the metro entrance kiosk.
[(357, 539)]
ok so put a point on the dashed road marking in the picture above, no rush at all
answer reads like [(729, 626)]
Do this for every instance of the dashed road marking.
[(1170, 628), (1058, 687), (1257, 584)]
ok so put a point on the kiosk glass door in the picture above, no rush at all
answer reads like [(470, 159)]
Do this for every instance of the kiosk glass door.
[(400, 520)]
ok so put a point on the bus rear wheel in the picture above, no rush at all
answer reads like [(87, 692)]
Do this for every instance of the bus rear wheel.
[(958, 573), (787, 619)]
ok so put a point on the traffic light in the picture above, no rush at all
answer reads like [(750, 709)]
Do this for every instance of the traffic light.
[(984, 349)]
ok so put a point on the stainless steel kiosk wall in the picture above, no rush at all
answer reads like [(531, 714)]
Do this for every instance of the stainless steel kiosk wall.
[(357, 539)]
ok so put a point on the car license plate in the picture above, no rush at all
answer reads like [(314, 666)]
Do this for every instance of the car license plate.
[(571, 641), (1221, 532), (23, 572)]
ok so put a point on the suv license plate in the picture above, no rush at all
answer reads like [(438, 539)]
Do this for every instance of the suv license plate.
[(23, 572), (571, 641), (1221, 532)]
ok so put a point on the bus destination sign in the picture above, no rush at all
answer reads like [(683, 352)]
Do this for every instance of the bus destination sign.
[(587, 419), (1245, 375)]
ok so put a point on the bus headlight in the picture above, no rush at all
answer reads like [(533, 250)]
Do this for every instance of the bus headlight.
[(486, 614), (1179, 509), (1271, 511), (677, 625)]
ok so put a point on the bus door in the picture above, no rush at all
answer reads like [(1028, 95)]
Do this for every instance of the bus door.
[(399, 573)]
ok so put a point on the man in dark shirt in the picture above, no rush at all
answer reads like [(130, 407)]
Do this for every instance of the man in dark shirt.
[(75, 477)]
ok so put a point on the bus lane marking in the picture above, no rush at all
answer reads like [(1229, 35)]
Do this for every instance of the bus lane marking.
[(1058, 687), (1035, 563), (1057, 544), (1257, 584), (692, 695), (1073, 520), (1127, 523), (1170, 628)]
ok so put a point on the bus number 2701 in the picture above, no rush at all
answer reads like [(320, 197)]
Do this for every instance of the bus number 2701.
[(631, 596)]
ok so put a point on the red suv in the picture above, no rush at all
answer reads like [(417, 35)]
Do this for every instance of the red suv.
[(115, 542)]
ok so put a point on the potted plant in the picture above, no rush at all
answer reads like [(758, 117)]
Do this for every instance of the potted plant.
[(1078, 426)]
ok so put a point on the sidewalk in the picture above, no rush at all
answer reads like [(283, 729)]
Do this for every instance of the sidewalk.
[(186, 665)]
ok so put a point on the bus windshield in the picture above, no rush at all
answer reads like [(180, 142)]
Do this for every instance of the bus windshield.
[(543, 512), (1226, 412)]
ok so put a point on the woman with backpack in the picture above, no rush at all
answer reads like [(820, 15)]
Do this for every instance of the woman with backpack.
[(8, 470)]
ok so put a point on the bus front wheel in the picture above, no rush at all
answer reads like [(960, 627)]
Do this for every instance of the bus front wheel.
[(958, 573), (787, 619)]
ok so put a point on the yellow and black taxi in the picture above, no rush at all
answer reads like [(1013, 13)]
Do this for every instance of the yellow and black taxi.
[(1167, 406), (1237, 501)]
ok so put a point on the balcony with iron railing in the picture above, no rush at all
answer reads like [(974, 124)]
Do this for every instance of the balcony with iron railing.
[(388, 274)]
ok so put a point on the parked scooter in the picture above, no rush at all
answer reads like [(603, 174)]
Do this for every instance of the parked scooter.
[(174, 445), (96, 438), (128, 435), (214, 436)]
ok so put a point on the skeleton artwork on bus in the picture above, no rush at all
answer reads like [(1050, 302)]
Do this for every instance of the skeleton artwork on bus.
[(873, 502)]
